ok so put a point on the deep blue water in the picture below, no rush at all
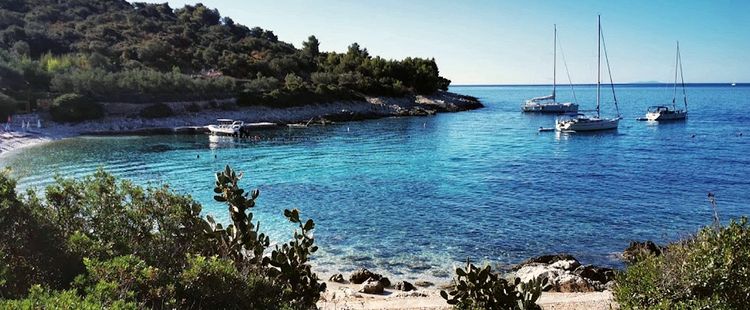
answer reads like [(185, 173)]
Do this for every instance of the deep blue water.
[(418, 195)]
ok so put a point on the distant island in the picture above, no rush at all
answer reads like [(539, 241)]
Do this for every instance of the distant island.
[(102, 52)]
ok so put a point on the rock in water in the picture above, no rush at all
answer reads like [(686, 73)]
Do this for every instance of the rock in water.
[(372, 286), (636, 250), (337, 278), (361, 275), (405, 286)]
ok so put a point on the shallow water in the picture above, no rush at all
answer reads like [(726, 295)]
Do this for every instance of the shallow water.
[(417, 195)]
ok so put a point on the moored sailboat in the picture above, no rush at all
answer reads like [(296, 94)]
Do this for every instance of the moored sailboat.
[(582, 122), (666, 113), (548, 104)]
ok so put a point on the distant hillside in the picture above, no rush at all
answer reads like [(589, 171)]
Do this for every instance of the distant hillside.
[(113, 50)]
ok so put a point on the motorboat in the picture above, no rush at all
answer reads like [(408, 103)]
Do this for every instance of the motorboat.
[(226, 126)]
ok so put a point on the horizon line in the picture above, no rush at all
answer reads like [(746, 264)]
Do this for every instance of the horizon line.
[(594, 84)]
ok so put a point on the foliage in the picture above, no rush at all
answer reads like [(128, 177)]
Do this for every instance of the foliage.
[(157, 110), (708, 270), (144, 52), (39, 298), (75, 108), (288, 265), (480, 288), (32, 249), (145, 248)]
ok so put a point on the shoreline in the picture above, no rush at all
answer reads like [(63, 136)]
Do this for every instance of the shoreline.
[(340, 111)]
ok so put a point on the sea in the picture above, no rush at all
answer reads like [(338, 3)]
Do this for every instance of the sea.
[(413, 197)]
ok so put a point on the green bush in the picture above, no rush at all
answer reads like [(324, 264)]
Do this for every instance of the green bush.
[(708, 271), (75, 108), (146, 248), (129, 279), (157, 110), (39, 298), (479, 288), (212, 282)]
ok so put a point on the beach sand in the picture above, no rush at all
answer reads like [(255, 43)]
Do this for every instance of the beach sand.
[(344, 296)]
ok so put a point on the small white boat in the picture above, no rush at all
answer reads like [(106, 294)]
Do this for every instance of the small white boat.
[(578, 122), (226, 127), (666, 113), (548, 104)]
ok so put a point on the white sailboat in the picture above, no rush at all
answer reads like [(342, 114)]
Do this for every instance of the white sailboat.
[(548, 104), (581, 122), (665, 113)]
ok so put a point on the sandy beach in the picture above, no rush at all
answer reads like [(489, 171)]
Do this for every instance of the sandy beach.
[(345, 296)]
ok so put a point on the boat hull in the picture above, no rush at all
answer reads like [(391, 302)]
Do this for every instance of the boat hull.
[(595, 124), (217, 130), (666, 116), (552, 107)]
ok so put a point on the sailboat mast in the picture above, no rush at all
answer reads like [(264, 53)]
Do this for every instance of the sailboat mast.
[(554, 64), (676, 67), (682, 77), (598, 64)]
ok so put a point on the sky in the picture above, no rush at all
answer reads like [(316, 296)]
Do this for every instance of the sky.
[(510, 42)]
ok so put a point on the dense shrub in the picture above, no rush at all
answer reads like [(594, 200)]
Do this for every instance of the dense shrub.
[(479, 288), (32, 249), (708, 271), (39, 298), (156, 110), (146, 248), (75, 108)]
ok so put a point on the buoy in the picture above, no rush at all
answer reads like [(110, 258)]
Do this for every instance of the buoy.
[(38, 123), (347, 129)]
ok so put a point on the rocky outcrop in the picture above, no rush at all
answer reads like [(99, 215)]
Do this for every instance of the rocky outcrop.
[(636, 250), (361, 275), (564, 273)]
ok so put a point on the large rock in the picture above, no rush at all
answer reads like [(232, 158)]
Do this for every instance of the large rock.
[(547, 259), (599, 274), (570, 283), (384, 281), (405, 286), (361, 275), (372, 286), (637, 250)]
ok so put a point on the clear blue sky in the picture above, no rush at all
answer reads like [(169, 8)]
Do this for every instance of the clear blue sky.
[(510, 42)]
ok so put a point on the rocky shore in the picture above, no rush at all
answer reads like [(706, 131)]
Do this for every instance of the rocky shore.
[(571, 285), (123, 119)]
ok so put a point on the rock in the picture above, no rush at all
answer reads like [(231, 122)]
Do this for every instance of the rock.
[(409, 294), (573, 284), (540, 271), (385, 282), (361, 275), (351, 293), (405, 286), (337, 278), (546, 259), (569, 265), (423, 283), (636, 250), (372, 286), (599, 274)]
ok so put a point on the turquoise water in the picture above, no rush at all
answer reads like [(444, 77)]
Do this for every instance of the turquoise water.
[(417, 195)]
